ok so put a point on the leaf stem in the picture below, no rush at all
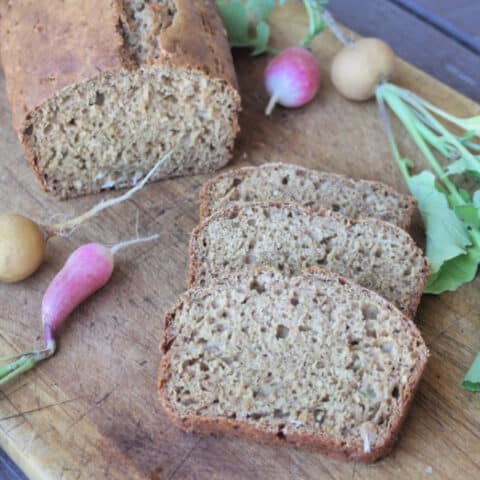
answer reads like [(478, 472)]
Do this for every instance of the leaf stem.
[(447, 137), (396, 102), (406, 117), (315, 9), (402, 164), (27, 360), (431, 138)]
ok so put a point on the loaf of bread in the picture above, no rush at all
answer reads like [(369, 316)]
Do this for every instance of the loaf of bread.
[(312, 361), (100, 90), (280, 182), (290, 238)]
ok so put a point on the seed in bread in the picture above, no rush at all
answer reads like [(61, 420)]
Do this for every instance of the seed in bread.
[(374, 254), (281, 182), (312, 361)]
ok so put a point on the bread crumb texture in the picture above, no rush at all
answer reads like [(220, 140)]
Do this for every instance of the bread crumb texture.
[(277, 182), (374, 254), (110, 131), (305, 356)]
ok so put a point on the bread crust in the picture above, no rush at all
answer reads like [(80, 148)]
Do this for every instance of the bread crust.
[(315, 443), (48, 46), (207, 192), (382, 226)]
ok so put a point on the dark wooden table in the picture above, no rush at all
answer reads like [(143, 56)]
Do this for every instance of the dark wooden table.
[(439, 36)]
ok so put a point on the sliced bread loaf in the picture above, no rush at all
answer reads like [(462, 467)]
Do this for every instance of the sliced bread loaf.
[(374, 254), (281, 182), (100, 90), (313, 361)]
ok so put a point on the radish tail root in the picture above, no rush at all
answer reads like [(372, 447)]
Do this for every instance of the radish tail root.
[(128, 243), (66, 228), (271, 104)]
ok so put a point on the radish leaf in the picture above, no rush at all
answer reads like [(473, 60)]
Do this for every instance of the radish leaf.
[(469, 214), (471, 380), (446, 234), (245, 22), (454, 272), (476, 199)]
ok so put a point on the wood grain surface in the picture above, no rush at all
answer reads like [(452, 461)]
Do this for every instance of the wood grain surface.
[(91, 412)]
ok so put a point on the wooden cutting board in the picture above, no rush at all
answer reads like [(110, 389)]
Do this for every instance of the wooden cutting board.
[(91, 412)]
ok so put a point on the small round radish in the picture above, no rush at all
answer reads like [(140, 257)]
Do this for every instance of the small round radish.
[(87, 270), (359, 67), (292, 78), (22, 247)]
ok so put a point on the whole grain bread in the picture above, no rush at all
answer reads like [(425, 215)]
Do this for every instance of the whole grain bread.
[(290, 238), (100, 90), (313, 361), (282, 182)]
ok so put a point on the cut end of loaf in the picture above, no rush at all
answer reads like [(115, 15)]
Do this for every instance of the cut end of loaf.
[(312, 361), (110, 131)]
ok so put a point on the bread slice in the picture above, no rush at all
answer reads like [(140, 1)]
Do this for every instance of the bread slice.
[(100, 90), (374, 254), (281, 182), (312, 361)]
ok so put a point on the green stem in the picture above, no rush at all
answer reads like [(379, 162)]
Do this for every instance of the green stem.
[(402, 164), (410, 122), (26, 362), (431, 138), (459, 122), (315, 9), (448, 137), (7, 369)]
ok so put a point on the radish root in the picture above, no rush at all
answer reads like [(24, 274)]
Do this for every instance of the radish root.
[(66, 228), (120, 246), (271, 104)]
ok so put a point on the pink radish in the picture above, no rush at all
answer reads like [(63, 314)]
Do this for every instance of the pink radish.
[(87, 270), (292, 78)]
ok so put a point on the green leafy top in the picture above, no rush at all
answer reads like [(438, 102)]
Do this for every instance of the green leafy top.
[(451, 215), (246, 21)]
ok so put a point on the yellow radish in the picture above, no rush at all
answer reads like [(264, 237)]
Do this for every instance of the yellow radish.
[(22, 247), (359, 67)]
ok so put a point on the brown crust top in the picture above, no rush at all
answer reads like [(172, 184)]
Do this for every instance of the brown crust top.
[(207, 191), (410, 309), (48, 45), (221, 425), (182, 46)]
